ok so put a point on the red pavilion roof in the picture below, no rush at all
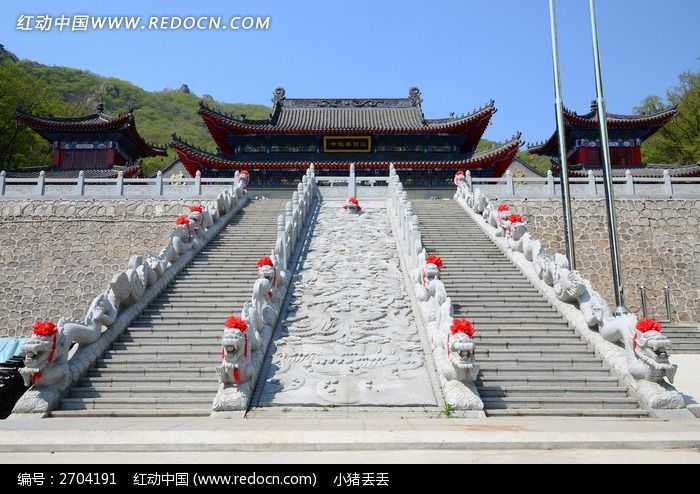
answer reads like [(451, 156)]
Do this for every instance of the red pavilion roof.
[(48, 127), (497, 159), (653, 122)]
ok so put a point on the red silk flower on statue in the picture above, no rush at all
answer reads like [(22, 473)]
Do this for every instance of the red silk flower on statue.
[(515, 218), (235, 322), (196, 209), (265, 261), (460, 173), (462, 326), (244, 172), (503, 207), (644, 325), (182, 220), (45, 328), (437, 260)]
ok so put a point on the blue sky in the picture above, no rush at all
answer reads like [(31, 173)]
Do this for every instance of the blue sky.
[(460, 53)]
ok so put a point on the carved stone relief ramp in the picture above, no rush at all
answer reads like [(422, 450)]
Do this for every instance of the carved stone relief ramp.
[(349, 337)]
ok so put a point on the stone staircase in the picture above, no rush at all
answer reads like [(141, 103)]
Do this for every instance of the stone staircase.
[(532, 361), (163, 364), (685, 337)]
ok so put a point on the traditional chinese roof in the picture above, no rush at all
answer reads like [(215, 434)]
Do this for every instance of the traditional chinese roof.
[(346, 116), (642, 126), (97, 126), (496, 160)]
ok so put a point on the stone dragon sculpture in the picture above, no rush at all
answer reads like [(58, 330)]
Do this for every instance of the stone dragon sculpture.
[(645, 350), (47, 367), (453, 353)]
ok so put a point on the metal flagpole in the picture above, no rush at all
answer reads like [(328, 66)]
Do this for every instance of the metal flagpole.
[(607, 172), (559, 110)]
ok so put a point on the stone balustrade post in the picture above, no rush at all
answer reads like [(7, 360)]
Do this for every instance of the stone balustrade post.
[(550, 183), (198, 183), (120, 184), (592, 191), (351, 181), (2, 182), (629, 183), (510, 185), (159, 183), (470, 181), (668, 185), (80, 184), (40, 184)]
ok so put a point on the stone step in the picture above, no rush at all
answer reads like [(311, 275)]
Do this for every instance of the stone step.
[(155, 346), (113, 392), (565, 412), (139, 381), (529, 341), (152, 371), (491, 371), (126, 412), (203, 352), (578, 358), (508, 381), (517, 352), (564, 402), (186, 360), (153, 403), (549, 392)]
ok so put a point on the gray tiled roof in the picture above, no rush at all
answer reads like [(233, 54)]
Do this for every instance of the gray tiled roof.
[(393, 114)]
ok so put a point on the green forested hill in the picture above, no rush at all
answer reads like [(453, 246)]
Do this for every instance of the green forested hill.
[(64, 91)]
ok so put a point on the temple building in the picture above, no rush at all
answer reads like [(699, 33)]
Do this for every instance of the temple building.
[(99, 144), (333, 133), (626, 134)]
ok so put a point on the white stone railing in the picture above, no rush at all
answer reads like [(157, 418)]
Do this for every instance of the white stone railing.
[(48, 364), (42, 188), (453, 354), (637, 355), (242, 364), (509, 186)]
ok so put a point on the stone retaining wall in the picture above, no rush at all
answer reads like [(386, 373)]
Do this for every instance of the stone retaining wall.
[(659, 244), (58, 255)]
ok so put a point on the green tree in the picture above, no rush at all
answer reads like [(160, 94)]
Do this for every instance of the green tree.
[(679, 140)]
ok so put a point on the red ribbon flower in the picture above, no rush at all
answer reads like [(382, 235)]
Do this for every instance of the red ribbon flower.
[(265, 261), (45, 328), (644, 325), (244, 172), (515, 218), (437, 260), (462, 326), (235, 322), (354, 201), (196, 209), (182, 220), (460, 173), (503, 207)]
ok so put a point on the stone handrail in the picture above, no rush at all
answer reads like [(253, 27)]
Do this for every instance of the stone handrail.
[(635, 350), (49, 365), (42, 188), (509, 186), (244, 347), (453, 353)]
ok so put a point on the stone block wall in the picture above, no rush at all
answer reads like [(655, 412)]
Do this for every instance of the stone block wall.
[(58, 255), (659, 244)]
